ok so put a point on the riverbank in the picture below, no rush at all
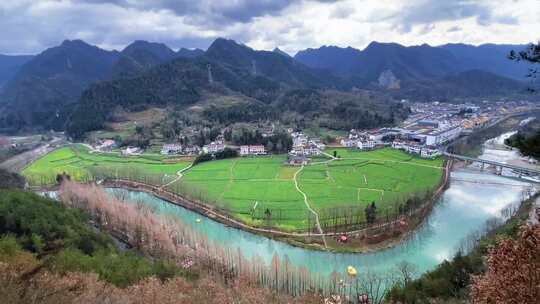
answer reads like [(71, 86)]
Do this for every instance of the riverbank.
[(473, 198), (381, 235), (370, 239), (442, 282), (435, 240), (471, 145)]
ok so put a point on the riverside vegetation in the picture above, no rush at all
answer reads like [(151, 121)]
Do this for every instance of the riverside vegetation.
[(497, 265), (51, 253), (48, 252)]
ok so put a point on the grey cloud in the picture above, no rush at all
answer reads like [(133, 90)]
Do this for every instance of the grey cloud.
[(214, 11), (30, 26), (342, 11), (454, 29), (207, 10), (24, 32), (431, 11)]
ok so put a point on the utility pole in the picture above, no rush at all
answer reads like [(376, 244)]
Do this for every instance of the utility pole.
[(210, 78), (253, 68)]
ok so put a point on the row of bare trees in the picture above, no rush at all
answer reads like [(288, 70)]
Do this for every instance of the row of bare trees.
[(336, 219), (159, 236)]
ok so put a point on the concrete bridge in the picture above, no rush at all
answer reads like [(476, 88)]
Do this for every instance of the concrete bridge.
[(521, 171)]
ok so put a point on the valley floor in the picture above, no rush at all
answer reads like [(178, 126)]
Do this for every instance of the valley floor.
[(265, 191)]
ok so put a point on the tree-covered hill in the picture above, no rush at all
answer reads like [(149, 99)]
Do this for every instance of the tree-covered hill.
[(413, 63), (59, 87), (467, 85), (140, 56), (42, 89), (272, 65), (9, 66), (51, 81), (268, 83)]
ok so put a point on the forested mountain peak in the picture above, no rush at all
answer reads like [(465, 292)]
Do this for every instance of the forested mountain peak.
[(189, 53), (162, 51), (279, 51), (44, 87)]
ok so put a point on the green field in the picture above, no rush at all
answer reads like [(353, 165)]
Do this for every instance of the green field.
[(81, 164), (385, 176), (247, 187)]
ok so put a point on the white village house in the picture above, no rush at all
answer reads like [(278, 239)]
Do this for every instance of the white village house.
[(171, 149), (318, 143), (214, 147), (299, 139), (106, 145), (252, 150), (365, 144), (349, 143), (429, 153), (415, 148), (132, 151)]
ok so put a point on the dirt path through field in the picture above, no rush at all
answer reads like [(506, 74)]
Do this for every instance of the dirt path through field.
[(309, 207), (179, 175)]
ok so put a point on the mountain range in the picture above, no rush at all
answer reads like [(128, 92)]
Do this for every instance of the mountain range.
[(45, 90), (414, 62), (229, 83)]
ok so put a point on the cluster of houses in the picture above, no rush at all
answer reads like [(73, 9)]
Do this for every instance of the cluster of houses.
[(108, 145), (424, 139), (303, 148), (211, 148), (214, 147), (416, 148), (359, 140), (171, 149), (177, 149)]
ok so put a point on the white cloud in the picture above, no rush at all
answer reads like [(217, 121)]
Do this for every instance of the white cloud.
[(30, 26)]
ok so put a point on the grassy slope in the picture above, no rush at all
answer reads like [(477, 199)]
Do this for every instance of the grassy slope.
[(64, 242)]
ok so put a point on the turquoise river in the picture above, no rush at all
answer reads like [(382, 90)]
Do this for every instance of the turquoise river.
[(472, 198)]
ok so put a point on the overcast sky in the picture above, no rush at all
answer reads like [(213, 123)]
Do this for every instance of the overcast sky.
[(30, 26)]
